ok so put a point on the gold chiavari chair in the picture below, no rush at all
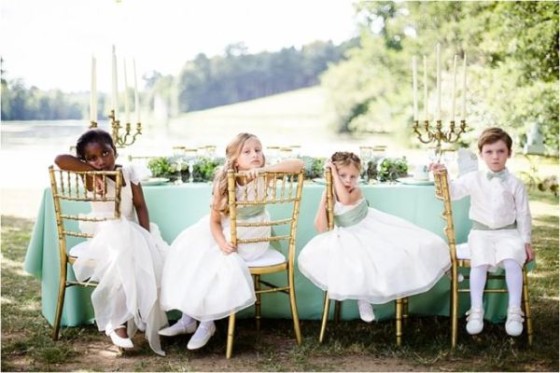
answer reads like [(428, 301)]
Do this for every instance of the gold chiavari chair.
[(282, 193), (70, 193), (460, 260), (401, 304)]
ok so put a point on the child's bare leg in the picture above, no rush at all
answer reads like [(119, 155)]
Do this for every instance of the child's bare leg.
[(122, 332)]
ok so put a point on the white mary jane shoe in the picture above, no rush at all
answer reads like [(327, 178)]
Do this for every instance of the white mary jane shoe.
[(202, 335), (366, 311), (475, 321), (120, 341), (514, 322), (178, 328)]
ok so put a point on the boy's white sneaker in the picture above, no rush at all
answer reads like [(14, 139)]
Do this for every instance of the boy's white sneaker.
[(366, 311), (475, 320), (202, 335), (514, 322), (178, 328)]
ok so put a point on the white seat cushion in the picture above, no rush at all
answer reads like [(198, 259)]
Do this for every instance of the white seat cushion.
[(463, 251), (79, 249), (269, 258)]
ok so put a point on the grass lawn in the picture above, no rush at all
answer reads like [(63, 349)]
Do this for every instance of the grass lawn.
[(350, 345)]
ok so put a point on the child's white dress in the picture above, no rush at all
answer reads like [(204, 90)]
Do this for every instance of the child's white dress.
[(202, 281), (127, 261), (373, 256)]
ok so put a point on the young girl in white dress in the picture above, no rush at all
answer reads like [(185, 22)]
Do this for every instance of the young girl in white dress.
[(369, 256), (205, 276), (127, 253)]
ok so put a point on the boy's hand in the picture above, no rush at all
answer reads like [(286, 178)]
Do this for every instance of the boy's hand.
[(529, 251), (436, 167)]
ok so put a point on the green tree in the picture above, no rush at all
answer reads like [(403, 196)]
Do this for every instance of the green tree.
[(512, 51)]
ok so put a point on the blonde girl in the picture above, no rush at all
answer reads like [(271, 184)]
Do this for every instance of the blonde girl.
[(205, 276)]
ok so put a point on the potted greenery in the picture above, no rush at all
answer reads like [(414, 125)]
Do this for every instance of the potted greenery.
[(390, 169)]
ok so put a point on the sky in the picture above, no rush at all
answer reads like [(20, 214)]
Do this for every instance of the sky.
[(50, 43)]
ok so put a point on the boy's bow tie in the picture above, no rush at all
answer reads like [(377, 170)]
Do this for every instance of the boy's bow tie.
[(500, 175)]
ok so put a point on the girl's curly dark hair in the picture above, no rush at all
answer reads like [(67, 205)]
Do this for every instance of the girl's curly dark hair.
[(94, 135)]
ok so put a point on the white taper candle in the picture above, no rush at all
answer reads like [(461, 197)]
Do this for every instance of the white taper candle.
[(93, 93), (426, 89), (115, 92), (126, 107), (136, 98), (438, 81), (453, 90), (415, 87), (464, 106)]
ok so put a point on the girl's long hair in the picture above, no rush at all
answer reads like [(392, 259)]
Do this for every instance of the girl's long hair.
[(232, 153)]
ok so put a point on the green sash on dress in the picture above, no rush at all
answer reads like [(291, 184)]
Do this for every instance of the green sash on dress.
[(352, 217), (247, 212)]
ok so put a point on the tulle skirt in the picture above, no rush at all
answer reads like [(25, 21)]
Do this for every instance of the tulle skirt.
[(202, 281), (127, 261), (378, 260)]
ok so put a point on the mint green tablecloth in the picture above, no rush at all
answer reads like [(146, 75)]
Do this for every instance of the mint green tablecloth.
[(174, 207)]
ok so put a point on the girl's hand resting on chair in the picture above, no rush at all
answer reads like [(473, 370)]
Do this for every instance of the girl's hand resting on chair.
[(99, 186), (227, 248), (253, 172)]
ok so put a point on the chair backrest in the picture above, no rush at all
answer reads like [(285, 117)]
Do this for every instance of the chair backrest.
[(69, 193), (329, 198), (442, 192), (280, 192)]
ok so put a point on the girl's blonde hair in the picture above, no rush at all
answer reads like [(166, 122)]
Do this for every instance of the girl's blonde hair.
[(341, 159), (233, 150)]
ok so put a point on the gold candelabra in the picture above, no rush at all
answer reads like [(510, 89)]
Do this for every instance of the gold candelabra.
[(429, 133), (121, 139)]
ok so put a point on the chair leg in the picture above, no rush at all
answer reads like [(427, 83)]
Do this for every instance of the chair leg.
[(405, 310), (326, 306), (293, 306), (230, 334), (257, 279), (454, 305), (60, 301), (398, 319), (337, 310), (527, 308)]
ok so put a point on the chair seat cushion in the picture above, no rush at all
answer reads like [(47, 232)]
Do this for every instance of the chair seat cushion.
[(463, 251), (78, 249), (269, 258)]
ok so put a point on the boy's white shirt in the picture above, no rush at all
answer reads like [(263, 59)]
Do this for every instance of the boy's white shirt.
[(495, 203)]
